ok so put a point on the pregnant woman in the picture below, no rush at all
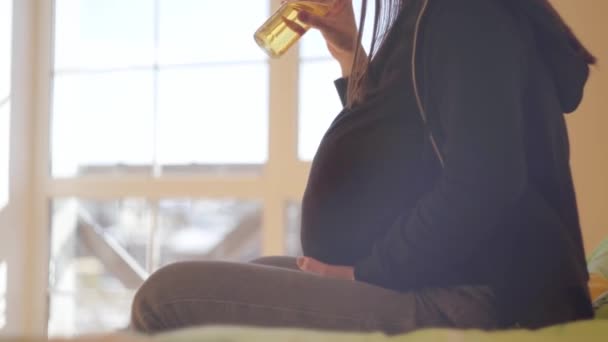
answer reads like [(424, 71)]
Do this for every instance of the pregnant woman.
[(441, 196)]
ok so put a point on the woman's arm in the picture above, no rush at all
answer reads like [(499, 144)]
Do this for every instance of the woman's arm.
[(477, 65)]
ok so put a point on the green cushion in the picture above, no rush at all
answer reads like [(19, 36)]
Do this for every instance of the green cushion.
[(602, 311), (590, 331), (598, 263), (598, 260)]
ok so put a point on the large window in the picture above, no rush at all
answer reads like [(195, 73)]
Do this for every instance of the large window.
[(6, 15), (172, 137)]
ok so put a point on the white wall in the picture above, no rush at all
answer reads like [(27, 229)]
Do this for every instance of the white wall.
[(589, 125)]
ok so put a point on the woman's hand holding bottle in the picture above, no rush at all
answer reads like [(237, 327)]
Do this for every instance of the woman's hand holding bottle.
[(339, 29)]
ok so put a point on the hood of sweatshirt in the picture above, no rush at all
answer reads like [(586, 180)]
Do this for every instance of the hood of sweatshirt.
[(567, 66)]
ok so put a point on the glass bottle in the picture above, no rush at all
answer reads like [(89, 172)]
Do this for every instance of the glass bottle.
[(283, 29)]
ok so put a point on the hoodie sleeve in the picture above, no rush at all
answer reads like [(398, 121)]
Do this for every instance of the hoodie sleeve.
[(476, 63)]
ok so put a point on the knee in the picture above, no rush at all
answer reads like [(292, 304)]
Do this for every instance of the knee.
[(150, 295), (168, 285)]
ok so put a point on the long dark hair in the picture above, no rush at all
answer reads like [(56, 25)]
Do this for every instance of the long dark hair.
[(386, 12)]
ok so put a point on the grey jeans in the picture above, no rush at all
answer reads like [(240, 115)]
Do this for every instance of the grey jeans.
[(273, 292)]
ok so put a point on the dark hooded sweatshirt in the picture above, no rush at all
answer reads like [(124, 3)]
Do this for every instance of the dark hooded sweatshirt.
[(494, 78)]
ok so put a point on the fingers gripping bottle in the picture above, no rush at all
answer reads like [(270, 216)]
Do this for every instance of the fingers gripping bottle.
[(283, 29)]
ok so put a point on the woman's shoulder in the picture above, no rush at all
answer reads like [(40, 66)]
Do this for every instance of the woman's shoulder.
[(462, 15), (472, 24), (469, 6)]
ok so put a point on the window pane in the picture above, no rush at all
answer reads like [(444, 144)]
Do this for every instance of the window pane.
[(104, 33), (312, 45), (214, 115), (209, 230), (195, 31), (5, 48), (102, 119), (116, 233), (293, 244), (88, 311), (98, 250), (319, 104), (4, 154)]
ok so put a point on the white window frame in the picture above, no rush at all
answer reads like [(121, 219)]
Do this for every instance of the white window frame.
[(281, 181)]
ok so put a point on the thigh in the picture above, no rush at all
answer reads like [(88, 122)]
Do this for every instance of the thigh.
[(462, 307), (203, 293)]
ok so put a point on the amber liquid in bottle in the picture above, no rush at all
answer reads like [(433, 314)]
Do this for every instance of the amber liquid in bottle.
[(283, 29)]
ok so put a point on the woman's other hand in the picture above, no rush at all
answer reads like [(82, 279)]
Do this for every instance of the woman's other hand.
[(339, 29), (308, 264)]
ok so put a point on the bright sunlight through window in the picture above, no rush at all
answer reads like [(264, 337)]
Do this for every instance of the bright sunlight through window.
[(172, 83), (143, 85)]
